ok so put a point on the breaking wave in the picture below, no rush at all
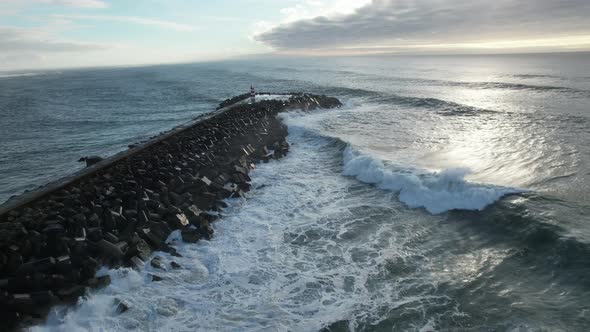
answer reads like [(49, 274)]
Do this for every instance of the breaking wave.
[(437, 192)]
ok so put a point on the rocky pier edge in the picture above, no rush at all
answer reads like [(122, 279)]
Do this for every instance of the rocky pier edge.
[(117, 212)]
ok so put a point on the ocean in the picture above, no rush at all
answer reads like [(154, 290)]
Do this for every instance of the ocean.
[(450, 193)]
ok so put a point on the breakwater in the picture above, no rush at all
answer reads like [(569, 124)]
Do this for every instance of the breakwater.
[(115, 213)]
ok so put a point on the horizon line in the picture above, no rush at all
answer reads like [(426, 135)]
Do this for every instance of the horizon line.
[(284, 55)]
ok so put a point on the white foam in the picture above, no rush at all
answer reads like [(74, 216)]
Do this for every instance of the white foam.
[(96, 311), (18, 75), (437, 192)]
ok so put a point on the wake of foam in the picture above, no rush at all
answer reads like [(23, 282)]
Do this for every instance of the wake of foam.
[(436, 192)]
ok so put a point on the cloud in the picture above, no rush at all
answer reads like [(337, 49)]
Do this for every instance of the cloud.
[(312, 8), (407, 23), (14, 7), (16, 41), (92, 4), (308, 9), (133, 20), (20, 4)]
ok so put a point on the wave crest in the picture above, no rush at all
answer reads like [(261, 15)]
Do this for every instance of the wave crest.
[(437, 192)]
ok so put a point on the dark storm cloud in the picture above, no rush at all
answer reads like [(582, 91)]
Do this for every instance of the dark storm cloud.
[(407, 22)]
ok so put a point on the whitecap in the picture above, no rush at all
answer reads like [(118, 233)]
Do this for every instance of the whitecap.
[(437, 192)]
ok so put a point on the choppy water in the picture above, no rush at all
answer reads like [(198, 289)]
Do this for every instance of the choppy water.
[(450, 193)]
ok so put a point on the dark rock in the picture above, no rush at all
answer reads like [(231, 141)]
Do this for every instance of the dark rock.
[(156, 263), (9, 319), (72, 293), (3, 283), (137, 263), (94, 234), (159, 229), (121, 306), (80, 235), (222, 204), (32, 302), (72, 276), (130, 213), (40, 265), (89, 267), (175, 265), (204, 200), (15, 261), (180, 220), (151, 238), (155, 277), (23, 300), (171, 251), (99, 282), (143, 217), (140, 248), (91, 160), (53, 229), (111, 237), (94, 220), (54, 282), (63, 263), (190, 235), (11, 231), (110, 250)]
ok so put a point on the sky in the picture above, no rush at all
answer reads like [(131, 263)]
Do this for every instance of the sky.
[(82, 33)]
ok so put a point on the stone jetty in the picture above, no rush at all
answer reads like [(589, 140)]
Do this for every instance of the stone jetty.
[(121, 209)]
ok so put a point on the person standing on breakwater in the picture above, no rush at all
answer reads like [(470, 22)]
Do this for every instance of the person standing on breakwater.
[(252, 94)]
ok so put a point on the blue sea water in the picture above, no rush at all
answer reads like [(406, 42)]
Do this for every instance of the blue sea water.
[(449, 193)]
